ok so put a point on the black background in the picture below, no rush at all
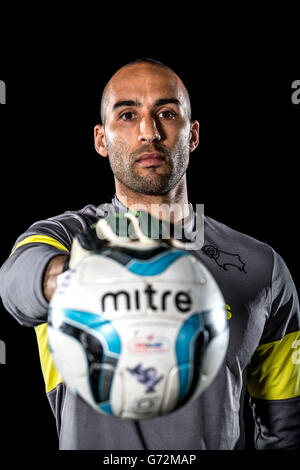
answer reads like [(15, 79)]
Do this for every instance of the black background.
[(244, 171)]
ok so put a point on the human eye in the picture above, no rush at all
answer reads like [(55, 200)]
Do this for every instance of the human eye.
[(167, 114), (127, 116)]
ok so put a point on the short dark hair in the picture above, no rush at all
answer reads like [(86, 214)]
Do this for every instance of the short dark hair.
[(144, 60)]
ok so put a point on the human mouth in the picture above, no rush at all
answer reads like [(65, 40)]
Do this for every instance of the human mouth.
[(150, 159)]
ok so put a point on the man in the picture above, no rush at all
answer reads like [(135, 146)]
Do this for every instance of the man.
[(148, 134)]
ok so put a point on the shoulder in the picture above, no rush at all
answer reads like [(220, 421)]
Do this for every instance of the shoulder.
[(229, 241), (88, 212), (232, 236), (82, 218)]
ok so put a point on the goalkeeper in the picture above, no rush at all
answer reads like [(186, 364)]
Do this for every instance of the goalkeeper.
[(148, 134)]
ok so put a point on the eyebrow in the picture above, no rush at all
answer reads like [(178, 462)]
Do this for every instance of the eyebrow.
[(159, 102), (163, 101), (120, 104)]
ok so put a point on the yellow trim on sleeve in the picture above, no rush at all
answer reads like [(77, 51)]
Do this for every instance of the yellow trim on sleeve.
[(40, 239), (274, 372), (50, 374)]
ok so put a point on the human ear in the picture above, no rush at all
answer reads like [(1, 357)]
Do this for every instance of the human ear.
[(99, 140), (194, 135)]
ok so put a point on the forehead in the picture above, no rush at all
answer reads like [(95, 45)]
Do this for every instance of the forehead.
[(145, 83)]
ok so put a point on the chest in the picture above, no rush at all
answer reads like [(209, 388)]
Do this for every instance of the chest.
[(244, 284)]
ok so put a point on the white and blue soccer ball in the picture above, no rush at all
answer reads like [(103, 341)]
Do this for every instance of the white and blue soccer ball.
[(138, 334)]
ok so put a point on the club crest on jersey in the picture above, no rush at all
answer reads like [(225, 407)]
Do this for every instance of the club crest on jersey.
[(224, 259)]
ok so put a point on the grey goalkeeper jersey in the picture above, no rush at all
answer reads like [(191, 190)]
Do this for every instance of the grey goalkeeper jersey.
[(263, 353)]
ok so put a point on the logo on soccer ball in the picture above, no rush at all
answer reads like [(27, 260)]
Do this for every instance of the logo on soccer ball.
[(145, 404), (147, 376), (149, 344), (123, 299)]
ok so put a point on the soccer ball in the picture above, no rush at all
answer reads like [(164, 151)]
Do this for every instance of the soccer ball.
[(138, 333)]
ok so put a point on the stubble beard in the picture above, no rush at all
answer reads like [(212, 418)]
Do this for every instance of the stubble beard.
[(152, 182)]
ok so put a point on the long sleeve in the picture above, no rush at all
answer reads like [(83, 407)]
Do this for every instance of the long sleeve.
[(274, 372), (21, 275)]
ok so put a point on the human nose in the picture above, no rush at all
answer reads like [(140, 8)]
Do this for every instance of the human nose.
[(148, 130)]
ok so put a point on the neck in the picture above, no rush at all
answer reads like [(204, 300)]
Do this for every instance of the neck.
[(172, 206)]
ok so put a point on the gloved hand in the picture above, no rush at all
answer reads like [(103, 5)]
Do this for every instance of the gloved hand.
[(129, 230)]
